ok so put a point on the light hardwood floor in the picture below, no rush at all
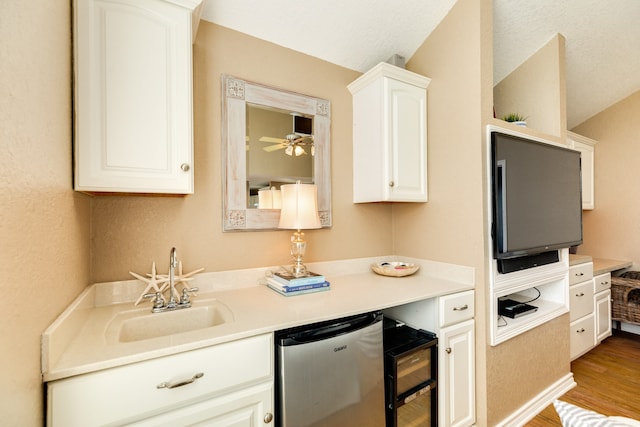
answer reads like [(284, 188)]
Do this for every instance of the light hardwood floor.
[(608, 379)]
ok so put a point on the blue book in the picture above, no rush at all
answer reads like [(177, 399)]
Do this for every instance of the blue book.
[(290, 280), (300, 292), (296, 288)]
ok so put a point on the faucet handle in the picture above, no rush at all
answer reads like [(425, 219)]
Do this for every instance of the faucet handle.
[(185, 299), (158, 301)]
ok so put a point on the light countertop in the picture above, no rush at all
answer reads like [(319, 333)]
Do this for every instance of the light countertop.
[(76, 342), (600, 265)]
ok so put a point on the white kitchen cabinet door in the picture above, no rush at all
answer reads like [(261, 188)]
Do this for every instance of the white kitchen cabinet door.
[(603, 315), (456, 374), (133, 95), (586, 147), (389, 136)]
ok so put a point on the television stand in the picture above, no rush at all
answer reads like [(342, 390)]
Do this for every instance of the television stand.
[(510, 265)]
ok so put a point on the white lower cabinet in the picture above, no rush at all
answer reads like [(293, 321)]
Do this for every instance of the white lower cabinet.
[(602, 306), (451, 318), (590, 298), (456, 374), (581, 303), (229, 384)]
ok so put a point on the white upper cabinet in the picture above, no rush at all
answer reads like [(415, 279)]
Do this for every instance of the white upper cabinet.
[(133, 95), (586, 147), (389, 135)]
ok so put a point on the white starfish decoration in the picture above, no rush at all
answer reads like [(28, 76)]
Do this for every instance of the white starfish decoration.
[(154, 282)]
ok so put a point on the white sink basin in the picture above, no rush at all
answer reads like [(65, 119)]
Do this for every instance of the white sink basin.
[(140, 324)]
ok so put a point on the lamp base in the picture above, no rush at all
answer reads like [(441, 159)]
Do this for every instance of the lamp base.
[(298, 248), (299, 270)]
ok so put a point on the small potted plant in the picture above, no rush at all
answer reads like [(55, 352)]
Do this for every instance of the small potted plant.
[(516, 119)]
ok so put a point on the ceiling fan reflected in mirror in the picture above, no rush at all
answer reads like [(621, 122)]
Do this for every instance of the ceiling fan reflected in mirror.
[(294, 143)]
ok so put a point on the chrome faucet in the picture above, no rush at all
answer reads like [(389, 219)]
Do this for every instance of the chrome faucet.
[(173, 263), (172, 303)]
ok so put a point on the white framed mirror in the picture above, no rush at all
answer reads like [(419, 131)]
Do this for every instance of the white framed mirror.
[(271, 137)]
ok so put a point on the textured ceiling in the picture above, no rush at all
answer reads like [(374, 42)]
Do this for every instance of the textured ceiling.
[(602, 37)]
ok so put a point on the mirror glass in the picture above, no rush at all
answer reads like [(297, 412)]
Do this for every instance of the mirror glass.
[(271, 137), (280, 150)]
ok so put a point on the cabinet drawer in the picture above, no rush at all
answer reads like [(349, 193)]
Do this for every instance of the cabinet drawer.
[(456, 308), (582, 336), (580, 300), (601, 282), (127, 392), (580, 273)]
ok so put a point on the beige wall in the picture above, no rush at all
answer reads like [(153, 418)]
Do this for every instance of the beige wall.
[(521, 368), (130, 232), (537, 90), (611, 230), (44, 225), (450, 226)]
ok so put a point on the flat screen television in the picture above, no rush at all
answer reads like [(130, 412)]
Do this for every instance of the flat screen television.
[(536, 198)]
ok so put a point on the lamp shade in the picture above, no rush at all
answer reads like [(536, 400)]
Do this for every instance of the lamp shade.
[(299, 207)]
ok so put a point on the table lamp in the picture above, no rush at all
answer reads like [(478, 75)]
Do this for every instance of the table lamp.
[(299, 212)]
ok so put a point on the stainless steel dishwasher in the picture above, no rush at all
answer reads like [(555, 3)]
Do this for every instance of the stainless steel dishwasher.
[(331, 373)]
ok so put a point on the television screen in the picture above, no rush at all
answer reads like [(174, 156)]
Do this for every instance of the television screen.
[(536, 196)]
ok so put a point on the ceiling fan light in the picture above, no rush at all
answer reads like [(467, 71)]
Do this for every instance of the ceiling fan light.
[(289, 151), (299, 151)]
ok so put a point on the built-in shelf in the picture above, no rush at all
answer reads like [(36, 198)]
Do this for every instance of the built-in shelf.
[(552, 281)]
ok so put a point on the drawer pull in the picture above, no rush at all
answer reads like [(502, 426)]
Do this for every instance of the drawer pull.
[(605, 283), (579, 274), (581, 294), (180, 383), (461, 308), (581, 330)]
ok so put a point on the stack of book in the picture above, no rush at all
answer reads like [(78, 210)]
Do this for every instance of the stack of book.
[(288, 285)]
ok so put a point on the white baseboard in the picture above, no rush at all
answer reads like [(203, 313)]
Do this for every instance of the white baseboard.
[(532, 408)]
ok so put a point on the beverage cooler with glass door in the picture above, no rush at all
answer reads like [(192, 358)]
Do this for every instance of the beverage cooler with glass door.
[(410, 370)]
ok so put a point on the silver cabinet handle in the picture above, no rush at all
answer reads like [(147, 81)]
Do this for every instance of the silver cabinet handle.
[(268, 417), (185, 167), (461, 308), (180, 383)]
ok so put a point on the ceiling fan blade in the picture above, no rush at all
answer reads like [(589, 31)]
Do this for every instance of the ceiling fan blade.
[(272, 139), (274, 147)]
